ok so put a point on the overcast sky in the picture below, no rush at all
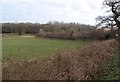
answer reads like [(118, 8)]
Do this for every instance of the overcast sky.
[(43, 11)]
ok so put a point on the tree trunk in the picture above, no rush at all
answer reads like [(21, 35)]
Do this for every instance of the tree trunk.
[(118, 25)]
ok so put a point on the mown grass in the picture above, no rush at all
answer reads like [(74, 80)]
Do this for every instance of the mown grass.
[(22, 47)]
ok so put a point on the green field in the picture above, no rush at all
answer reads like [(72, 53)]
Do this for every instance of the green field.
[(22, 47), (19, 47)]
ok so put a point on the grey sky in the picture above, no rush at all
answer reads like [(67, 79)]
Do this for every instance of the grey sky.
[(43, 11)]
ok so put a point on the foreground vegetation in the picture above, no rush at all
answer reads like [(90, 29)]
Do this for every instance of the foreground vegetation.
[(113, 68), (73, 62)]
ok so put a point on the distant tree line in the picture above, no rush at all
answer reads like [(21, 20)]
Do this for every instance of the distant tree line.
[(57, 30), (34, 28), (20, 28)]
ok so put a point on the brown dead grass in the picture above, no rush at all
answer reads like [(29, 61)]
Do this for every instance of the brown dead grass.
[(84, 64)]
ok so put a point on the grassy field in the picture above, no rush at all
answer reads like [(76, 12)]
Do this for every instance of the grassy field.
[(97, 59), (22, 47)]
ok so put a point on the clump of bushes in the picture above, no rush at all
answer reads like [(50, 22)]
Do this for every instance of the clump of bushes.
[(55, 35), (92, 35)]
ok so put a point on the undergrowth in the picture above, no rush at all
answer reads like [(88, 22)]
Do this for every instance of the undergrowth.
[(112, 68)]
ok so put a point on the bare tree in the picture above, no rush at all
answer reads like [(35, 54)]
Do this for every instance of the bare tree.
[(114, 18), (106, 21), (115, 8)]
